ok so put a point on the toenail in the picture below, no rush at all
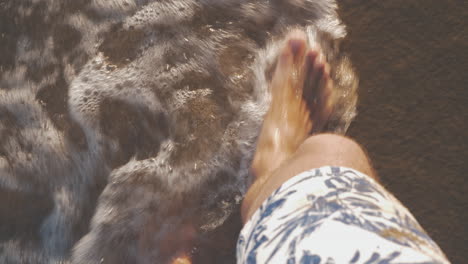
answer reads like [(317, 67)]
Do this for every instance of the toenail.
[(311, 57), (320, 69), (296, 45)]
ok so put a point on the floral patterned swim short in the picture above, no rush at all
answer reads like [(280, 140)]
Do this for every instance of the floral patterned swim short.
[(334, 215)]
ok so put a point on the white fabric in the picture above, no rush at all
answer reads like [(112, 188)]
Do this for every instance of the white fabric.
[(334, 215)]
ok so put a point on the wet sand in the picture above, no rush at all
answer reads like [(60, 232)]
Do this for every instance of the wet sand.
[(413, 111)]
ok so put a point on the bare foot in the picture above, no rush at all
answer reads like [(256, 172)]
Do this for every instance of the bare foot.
[(300, 89)]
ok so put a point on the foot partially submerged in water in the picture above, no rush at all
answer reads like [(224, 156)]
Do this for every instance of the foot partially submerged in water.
[(301, 104)]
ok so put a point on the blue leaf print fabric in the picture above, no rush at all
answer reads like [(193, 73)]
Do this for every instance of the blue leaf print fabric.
[(334, 215)]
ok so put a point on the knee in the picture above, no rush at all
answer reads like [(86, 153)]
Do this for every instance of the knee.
[(331, 143), (337, 150)]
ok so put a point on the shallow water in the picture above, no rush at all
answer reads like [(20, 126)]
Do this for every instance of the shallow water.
[(131, 124)]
